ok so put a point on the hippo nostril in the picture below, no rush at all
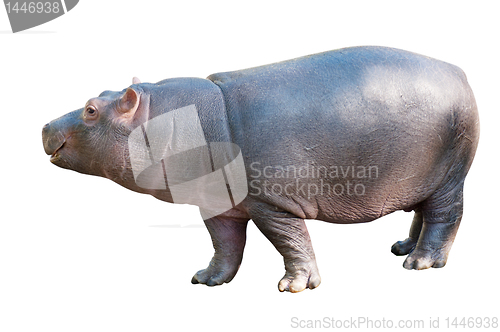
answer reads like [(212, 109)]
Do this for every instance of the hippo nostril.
[(45, 130)]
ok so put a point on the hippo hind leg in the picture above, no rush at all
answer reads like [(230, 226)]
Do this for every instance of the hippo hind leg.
[(440, 217), (404, 247)]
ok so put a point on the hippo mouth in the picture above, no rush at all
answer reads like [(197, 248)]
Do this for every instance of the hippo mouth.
[(55, 156), (54, 147)]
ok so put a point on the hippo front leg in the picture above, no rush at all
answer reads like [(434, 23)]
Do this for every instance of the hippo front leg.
[(288, 233), (228, 238)]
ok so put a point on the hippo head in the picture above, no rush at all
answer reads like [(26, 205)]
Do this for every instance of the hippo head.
[(93, 139), (149, 138)]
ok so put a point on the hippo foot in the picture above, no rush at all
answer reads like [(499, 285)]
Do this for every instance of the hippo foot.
[(404, 247), (214, 276), (300, 279), (420, 260)]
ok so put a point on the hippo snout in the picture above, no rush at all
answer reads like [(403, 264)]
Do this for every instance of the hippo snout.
[(53, 139)]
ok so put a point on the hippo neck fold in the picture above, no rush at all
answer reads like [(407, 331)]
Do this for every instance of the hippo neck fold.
[(172, 94), (183, 153)]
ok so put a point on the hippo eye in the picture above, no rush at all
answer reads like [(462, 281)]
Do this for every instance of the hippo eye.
[(90, 112)]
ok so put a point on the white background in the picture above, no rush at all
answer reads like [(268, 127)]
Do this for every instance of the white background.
[(80, 253)]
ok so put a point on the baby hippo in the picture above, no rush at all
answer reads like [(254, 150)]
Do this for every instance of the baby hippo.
[(345, 136)]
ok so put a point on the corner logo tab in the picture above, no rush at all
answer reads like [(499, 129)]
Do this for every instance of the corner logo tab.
[(24, 15)]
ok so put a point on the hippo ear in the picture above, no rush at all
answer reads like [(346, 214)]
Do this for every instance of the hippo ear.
[(129, 102), (135, 80), (133, 107)]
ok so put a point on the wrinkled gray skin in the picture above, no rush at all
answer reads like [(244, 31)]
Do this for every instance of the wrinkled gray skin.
[(412, 117)]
